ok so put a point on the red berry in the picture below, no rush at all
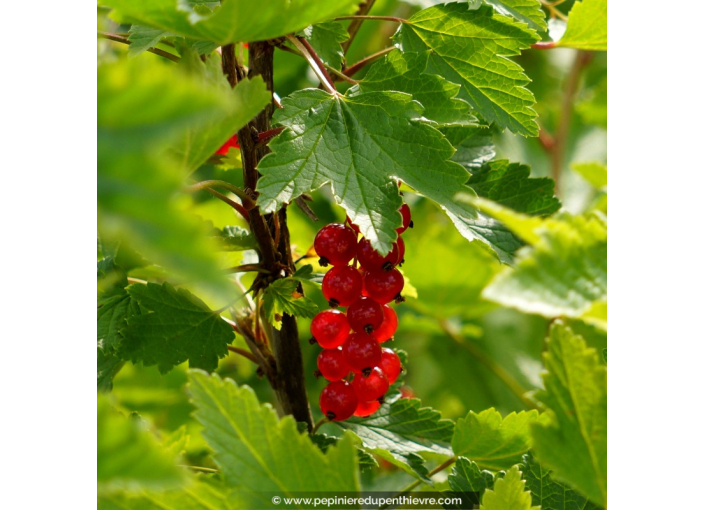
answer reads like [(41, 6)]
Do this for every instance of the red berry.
[(365, 315), (388, 326), (370, 387), (342, 285), (406, 214), (390, 365), (383, 286), (367, 408), (332, 364), (371, 260), (338, 401), (362, 352), (231, 143), (335, 244), (330, 328), (401, 250)]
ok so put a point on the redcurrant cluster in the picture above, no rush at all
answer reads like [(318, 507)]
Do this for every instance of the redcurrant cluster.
[(366, 292)]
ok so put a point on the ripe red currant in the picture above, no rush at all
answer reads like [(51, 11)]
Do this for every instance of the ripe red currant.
[(383, 286), (365, 315), (370, 387), (406, 214), (401, 250), (332, 364), (362, 352), (335, 244), (342, 285), (367, 408), (371, 260), (338, 401), (330, 328), (390, 365), (388, 325)]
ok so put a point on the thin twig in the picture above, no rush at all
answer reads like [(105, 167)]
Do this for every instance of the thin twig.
[(323, 76), (351, 70), (544, 45), (199, 468), (562, 132), (356, 24), (376, 18), (247, 202), (237, 207), (243, 353), (124, 40), (449, 462), (315, 56), (331, 69), (247, 268), (322, 421)]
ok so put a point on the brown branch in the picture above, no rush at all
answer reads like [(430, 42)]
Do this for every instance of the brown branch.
[(124, 40), (562, 132), (356, 24), (351, 70), (288, 381)]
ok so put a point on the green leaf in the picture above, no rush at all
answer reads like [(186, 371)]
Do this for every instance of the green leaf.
[(508, 493), (142, 38), (323, 441), (112, 317), (469, 482), (405, 72), (403, 427), (563, 274), (141, 109), (244, 102), (258, 452), (175, 326), (594, 173), (573, 442), (128, 455), (282, 296), (234, 238), (474, 145), (233, 20), (492, 442), (586, 26), (108, 366), (510, 184), (325, 38), (470, 48), (361, 145), (199, 494), (549, 494), (527, 11)]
